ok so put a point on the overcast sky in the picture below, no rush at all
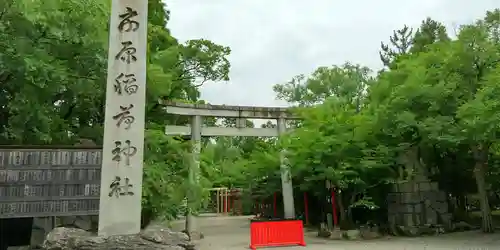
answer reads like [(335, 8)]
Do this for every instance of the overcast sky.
[(274, 40)]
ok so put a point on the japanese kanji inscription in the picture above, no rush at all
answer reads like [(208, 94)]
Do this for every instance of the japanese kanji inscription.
[(123, 143), (124, 116), (126, 83), (117, 188), (126, 23), (127, 53), (123, 152)]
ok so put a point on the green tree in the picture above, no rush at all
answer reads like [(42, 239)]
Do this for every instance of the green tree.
[(335, 143), (405, 41), (346, 81), (52, 75), (436, 99)]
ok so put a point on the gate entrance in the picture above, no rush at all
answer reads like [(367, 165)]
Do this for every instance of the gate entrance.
[(225, 201), (241, 113)]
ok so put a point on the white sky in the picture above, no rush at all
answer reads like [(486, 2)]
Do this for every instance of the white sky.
[(274, 40)]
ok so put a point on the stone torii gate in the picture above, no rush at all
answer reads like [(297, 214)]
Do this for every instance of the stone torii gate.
[(197, 130)]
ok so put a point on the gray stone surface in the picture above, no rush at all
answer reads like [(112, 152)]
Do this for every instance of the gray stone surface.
[(352, 234), (370, 233), (233, 234), (225, 107), (43, 225), (20, 248), (228, 110), (417, 203), (124, 122), (336, 234), (153, 237)]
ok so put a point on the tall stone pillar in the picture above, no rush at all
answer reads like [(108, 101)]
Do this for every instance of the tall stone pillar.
[(193, 172), (124, 115), (286, 177)]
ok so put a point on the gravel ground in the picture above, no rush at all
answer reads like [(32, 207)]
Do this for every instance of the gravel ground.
[(232, 233)]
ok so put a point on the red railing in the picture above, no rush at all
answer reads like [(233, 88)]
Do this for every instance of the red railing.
[(276, 233)]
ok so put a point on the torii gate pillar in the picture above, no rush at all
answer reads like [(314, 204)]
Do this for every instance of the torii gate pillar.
[(286, 177)]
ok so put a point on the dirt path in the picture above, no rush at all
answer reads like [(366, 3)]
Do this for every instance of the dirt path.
[(232, 233)]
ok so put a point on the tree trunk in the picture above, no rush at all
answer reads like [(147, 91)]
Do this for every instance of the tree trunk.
[(487, 220), (342, 210), (459, 207), (462, 202), (349, 208)]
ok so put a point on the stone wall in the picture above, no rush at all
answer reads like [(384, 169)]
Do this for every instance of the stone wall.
[(418, 203)]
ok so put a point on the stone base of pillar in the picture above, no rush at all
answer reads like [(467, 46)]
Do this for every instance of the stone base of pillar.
[(155, 236), (194, 235)]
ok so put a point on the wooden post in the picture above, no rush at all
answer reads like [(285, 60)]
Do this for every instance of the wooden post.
[(223, 208), (306, 208), (261, 207), (218, 202), (334, 209), (231, 201), (123, 142), (226, 205), (240, 204), (275, 212)]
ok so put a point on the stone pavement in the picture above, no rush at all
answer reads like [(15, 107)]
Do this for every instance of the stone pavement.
[(232, 233)]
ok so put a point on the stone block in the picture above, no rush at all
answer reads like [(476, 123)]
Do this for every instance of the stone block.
[(416, 219), (446, 220), (441, 196), (446, 217), (353, 234), (323, 231), (428, 196), (85, 222), (420, 178), (393, 219), (37, 237), (153, 237), (370, 234), (410, 198), (424, 186), (43, 223), (431, 217), (417, 208), (407, 208), (408, 220), (440, 207), (406, 187), (19, 248), (393, 209), (434, 186), (41, 226), (393, 198), (410, 231), (336, 234), (462, 226)]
